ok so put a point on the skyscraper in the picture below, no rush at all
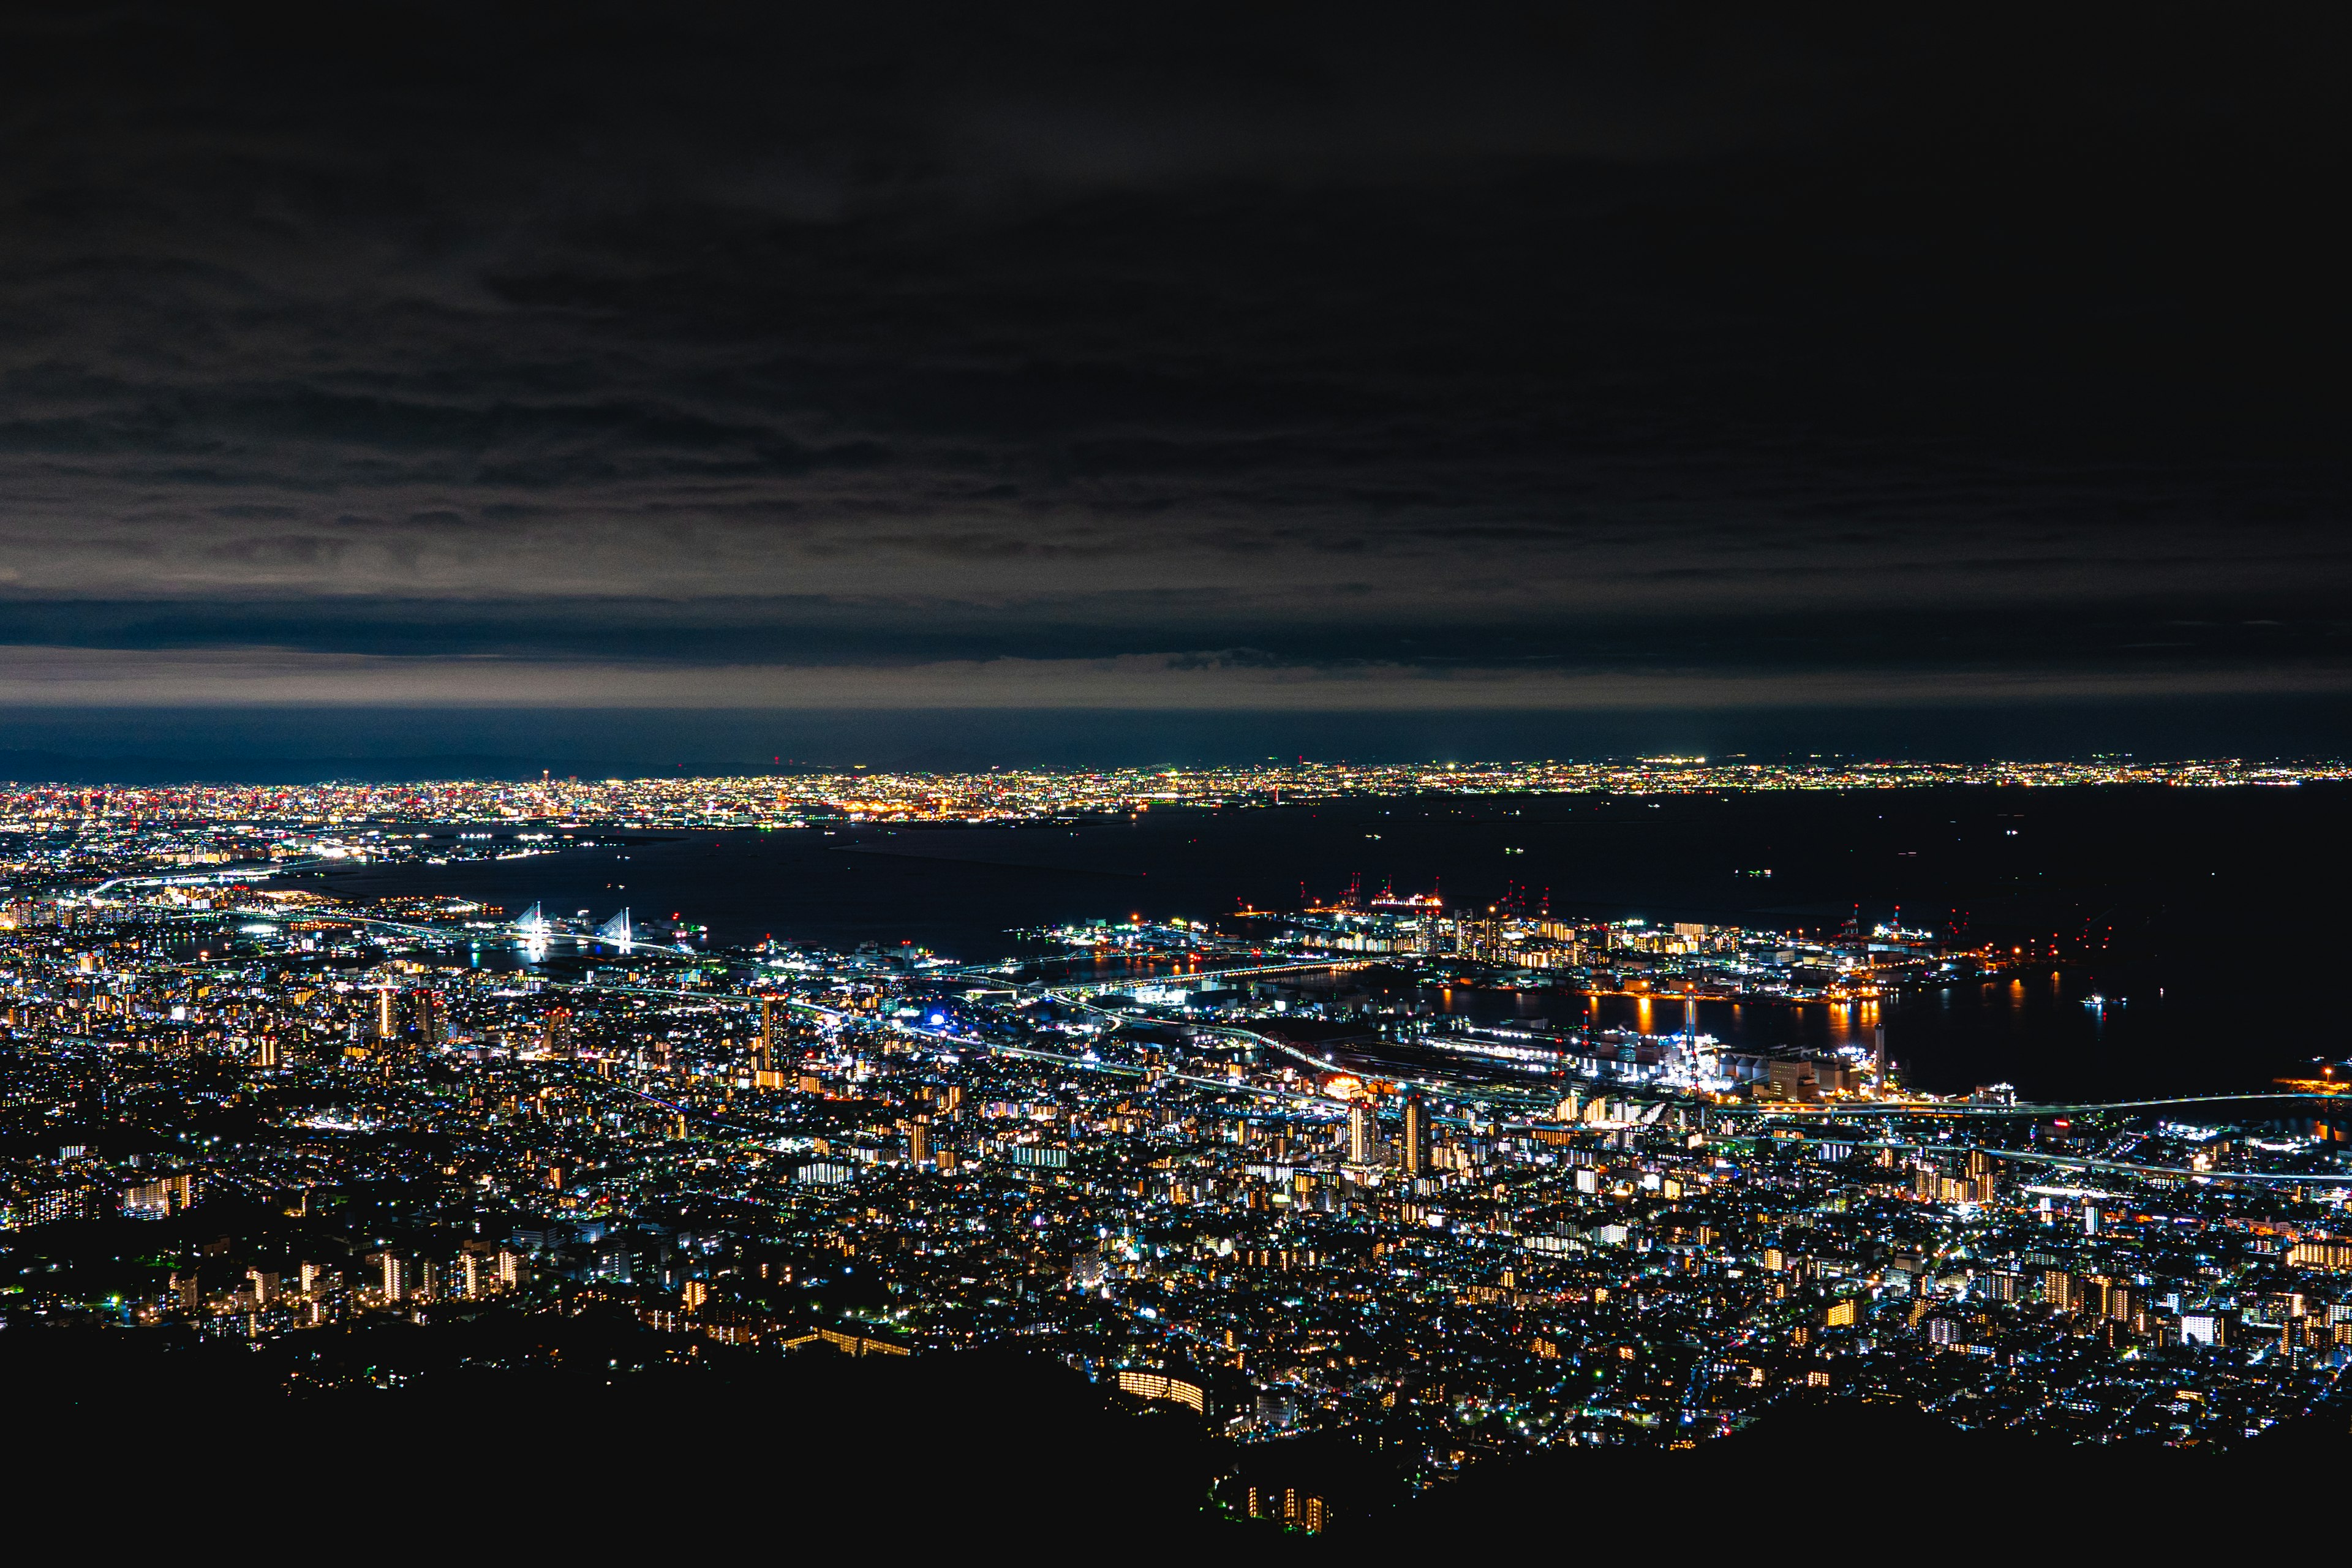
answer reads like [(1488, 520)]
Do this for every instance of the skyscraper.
[(1360, 1135), (1416, 1135)]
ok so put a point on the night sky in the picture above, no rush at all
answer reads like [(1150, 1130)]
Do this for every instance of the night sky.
[(1012, 381)]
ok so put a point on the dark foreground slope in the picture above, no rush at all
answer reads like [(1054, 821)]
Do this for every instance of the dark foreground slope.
[(563, 1435), (1845, 1478)]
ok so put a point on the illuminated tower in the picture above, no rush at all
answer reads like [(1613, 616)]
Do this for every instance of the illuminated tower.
[(386, 1023), (1360, 1135), (766, 1050), (1416, 1135), (918, 1139)]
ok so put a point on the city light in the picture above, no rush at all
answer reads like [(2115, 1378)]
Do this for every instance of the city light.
[(1274, 1172)]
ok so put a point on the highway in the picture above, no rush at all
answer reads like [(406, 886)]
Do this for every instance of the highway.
[(1844, 1108), (2070, 1162)]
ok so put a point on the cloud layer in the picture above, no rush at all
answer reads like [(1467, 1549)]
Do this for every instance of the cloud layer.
[(38, 677), (928, 358)]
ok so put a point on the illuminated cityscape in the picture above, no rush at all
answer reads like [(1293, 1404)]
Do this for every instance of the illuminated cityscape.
[(1241, 1173), (1125, 782), (786, 800)]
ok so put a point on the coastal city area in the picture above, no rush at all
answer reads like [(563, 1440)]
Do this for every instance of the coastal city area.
[(793, 798), (1246, 1170), (1130, 782)]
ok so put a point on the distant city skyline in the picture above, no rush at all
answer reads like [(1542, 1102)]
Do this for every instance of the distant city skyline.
[(794, 799)]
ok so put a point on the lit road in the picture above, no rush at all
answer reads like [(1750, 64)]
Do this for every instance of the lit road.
[(2072, 1162), (1954, 1108)]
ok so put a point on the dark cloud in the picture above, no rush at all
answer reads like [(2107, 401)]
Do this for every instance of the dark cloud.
[(1065, 351)]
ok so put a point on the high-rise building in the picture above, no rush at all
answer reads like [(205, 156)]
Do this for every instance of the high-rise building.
[(1416, 1135), (2058, 1288), (763, 1049), (2204, 1329), (1360, 1135), (555, 1033), (387, 1022), (396, 1275), (918, 1139), (164, 1196)]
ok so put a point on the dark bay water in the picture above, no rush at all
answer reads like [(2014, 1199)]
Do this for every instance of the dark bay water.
[(2201, 907)]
